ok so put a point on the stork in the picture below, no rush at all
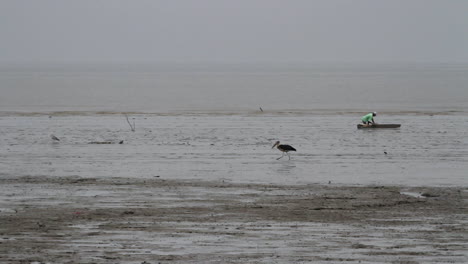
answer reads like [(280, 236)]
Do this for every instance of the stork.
[(284, 149)]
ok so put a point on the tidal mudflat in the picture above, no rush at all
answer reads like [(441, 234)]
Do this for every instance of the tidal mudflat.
[(128, 220)]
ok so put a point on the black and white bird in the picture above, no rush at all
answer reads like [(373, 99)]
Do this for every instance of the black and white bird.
[(54, 138), (284, 149)]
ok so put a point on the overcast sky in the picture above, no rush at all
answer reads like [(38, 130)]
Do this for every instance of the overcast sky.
[(233, 31)]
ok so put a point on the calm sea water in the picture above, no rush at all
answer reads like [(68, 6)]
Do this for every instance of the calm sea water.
[(204, 123), (168, 88)]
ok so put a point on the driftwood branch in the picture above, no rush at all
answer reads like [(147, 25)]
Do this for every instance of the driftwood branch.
[(132, 127)]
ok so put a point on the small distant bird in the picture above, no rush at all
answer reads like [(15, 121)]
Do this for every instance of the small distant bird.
[(385, 152), (284, 149), (54, 138)]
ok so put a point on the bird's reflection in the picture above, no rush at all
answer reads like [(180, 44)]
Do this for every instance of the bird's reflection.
[(285, 167)]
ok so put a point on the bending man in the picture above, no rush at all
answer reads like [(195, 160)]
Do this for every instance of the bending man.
[(369, 118)]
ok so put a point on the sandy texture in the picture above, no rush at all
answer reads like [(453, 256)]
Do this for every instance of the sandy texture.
[(119, 220)]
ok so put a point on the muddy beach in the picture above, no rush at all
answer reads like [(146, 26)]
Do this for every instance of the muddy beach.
[(127, 220)]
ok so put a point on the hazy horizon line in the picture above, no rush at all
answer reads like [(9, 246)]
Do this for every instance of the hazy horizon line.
[(211, 62)]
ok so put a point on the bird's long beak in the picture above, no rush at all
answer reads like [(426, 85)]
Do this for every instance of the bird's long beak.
[(275, 145)]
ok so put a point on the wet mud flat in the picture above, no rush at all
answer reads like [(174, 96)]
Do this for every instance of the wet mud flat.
[(127, 220)]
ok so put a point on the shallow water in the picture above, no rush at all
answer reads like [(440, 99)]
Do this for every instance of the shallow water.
[(426, 150), (204, 122)]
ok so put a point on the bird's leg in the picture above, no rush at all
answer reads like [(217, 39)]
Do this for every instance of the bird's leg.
[(289, 156), (280, 157)]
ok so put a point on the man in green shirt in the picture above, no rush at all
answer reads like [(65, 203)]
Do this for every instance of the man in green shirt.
[(369, 119)]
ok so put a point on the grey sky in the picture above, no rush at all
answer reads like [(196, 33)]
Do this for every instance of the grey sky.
[(233, 31)]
